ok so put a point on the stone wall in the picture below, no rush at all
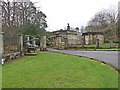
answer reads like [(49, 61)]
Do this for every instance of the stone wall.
[(101, 39), (10, 56), (91, 39), (87, 40), (79, 40), (72, 39), (59, 42)]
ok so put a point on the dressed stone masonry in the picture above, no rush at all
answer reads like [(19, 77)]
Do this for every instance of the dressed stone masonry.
[(73, 38), (93, 38), (64, 38), (43, 43)]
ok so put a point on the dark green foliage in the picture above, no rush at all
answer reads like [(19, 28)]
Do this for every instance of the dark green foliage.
[(32, 29)]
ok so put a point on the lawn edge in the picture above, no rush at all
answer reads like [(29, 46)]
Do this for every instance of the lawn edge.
[(92, 59)]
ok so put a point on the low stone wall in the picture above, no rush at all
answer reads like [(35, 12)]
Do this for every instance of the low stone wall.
[(11, 56)]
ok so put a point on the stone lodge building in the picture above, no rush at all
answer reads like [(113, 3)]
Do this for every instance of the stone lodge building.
[(64, 37), (68, 38), (92, 37)]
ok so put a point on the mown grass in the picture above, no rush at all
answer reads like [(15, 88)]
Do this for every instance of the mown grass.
[(53, 70), (102, 47), (105, 45)]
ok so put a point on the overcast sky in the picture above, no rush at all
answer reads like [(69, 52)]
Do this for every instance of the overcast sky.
[(75, 12)]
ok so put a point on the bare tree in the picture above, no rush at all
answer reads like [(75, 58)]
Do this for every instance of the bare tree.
[(104, 21), (18, 16)]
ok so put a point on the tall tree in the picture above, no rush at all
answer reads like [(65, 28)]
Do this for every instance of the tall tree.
[(104, 21)]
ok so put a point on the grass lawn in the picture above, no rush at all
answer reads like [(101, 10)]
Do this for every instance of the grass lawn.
[(111, 49), (53, 70), (105, 45)]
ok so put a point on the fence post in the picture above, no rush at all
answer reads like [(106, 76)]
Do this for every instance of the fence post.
[(1, 33), (21, 44), (1, 53), (1, 44)]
